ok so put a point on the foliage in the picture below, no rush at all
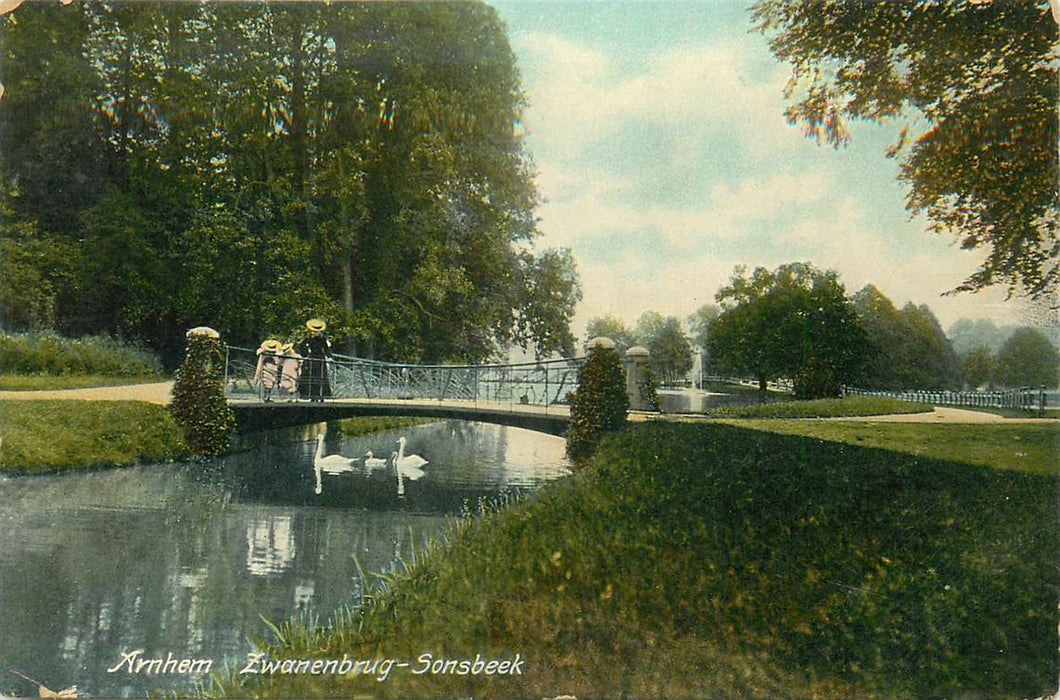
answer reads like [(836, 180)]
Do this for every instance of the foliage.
[(1027, 359), (977, 85), (649, 388), (793, 322), (599, 404), (822, 408), (907, 348), (47, 353), (967, 334), (367, 167), (613, 328), (199, 403), (711, 561), (46, 436), (665, 339), (977, 368)]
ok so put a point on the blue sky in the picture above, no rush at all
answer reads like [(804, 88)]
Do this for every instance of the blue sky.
[(657, 130)]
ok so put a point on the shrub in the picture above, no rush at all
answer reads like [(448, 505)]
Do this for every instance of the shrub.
[(199, 403), (48, 353), (599, 404)]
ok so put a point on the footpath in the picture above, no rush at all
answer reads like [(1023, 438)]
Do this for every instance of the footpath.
[(155, 392)]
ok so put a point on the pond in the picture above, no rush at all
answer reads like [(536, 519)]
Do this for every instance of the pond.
[(183, 561)]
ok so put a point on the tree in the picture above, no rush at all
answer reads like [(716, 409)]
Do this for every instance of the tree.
[(793, 322), (665, 339), (1028, 359), (613, 328), (968, 334), (907, 348), (366, 166), (977, 85), (977, 368)]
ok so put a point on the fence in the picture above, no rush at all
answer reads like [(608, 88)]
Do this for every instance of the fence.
[(268, 377), (1024, 398)]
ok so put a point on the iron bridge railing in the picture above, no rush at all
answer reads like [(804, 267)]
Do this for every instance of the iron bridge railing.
[(270, 377)]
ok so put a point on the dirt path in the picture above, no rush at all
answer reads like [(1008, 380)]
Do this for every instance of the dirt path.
[(157, 392)]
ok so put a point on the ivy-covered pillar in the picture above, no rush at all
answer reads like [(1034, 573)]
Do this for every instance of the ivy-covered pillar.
[(199, 404)]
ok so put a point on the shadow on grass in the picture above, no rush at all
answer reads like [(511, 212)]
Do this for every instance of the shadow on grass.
[(715, 561)]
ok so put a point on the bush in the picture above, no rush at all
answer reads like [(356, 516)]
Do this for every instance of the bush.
[(199, 403), (598, 405), (48, 353)]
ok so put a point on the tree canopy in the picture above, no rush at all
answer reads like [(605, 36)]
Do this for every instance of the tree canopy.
[(1027, 359), (907, 348), (794, 322), (248, 165), (975, 82)]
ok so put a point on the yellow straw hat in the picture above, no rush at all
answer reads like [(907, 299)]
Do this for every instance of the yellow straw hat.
[(316, 325), (288, 347), (271, 344)]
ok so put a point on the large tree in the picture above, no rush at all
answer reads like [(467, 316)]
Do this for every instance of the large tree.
[(907, 348), (245, 165), (794, 322), (1028, 359), (975, 82), (670, 348)]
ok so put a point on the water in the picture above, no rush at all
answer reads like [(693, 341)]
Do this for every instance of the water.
[(184, 559)]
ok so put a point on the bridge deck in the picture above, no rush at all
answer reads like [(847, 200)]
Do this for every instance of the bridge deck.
[(254, 414)]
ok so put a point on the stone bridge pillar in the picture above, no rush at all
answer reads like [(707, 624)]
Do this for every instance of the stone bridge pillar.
[(637, 360)]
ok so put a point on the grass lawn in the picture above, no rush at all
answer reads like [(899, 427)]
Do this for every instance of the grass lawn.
[(50, 436), (712, 560), (48, 382), (821, 408), (1029, 447)]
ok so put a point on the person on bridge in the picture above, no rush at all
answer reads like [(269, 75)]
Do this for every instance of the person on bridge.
[(290, 369), (315, 350), (267, 372)]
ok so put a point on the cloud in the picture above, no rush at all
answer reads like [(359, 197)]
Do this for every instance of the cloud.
[(664, 175)]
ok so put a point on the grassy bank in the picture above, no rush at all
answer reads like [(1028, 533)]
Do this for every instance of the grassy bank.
[(821, 408), (50, 436), (1031, 448), (709, 560)]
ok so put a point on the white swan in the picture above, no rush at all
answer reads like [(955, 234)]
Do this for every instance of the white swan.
[(373, 462), (408, 463), (332, 464), (406, 466)]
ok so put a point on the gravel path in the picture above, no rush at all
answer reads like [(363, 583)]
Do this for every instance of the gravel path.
[(157, 392)]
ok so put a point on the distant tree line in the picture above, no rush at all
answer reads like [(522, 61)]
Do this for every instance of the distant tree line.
[(798, 323), (249, 165)]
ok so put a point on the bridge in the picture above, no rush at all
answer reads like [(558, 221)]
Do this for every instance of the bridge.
[(272, 390)]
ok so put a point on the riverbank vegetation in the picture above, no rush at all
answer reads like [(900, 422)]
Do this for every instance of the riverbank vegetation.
[(50, 436), (708, 560)]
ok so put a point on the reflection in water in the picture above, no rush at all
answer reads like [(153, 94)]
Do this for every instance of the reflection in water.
[(270, 545), (183, 559)]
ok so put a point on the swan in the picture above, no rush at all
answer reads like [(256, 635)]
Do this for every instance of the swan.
[(407, 462), (332, 464), (373, 462), (406, 466)]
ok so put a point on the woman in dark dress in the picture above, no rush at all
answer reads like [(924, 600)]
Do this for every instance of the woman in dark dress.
[(315, 350)]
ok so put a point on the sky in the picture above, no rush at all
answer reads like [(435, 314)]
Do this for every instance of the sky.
[(664, 160)]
